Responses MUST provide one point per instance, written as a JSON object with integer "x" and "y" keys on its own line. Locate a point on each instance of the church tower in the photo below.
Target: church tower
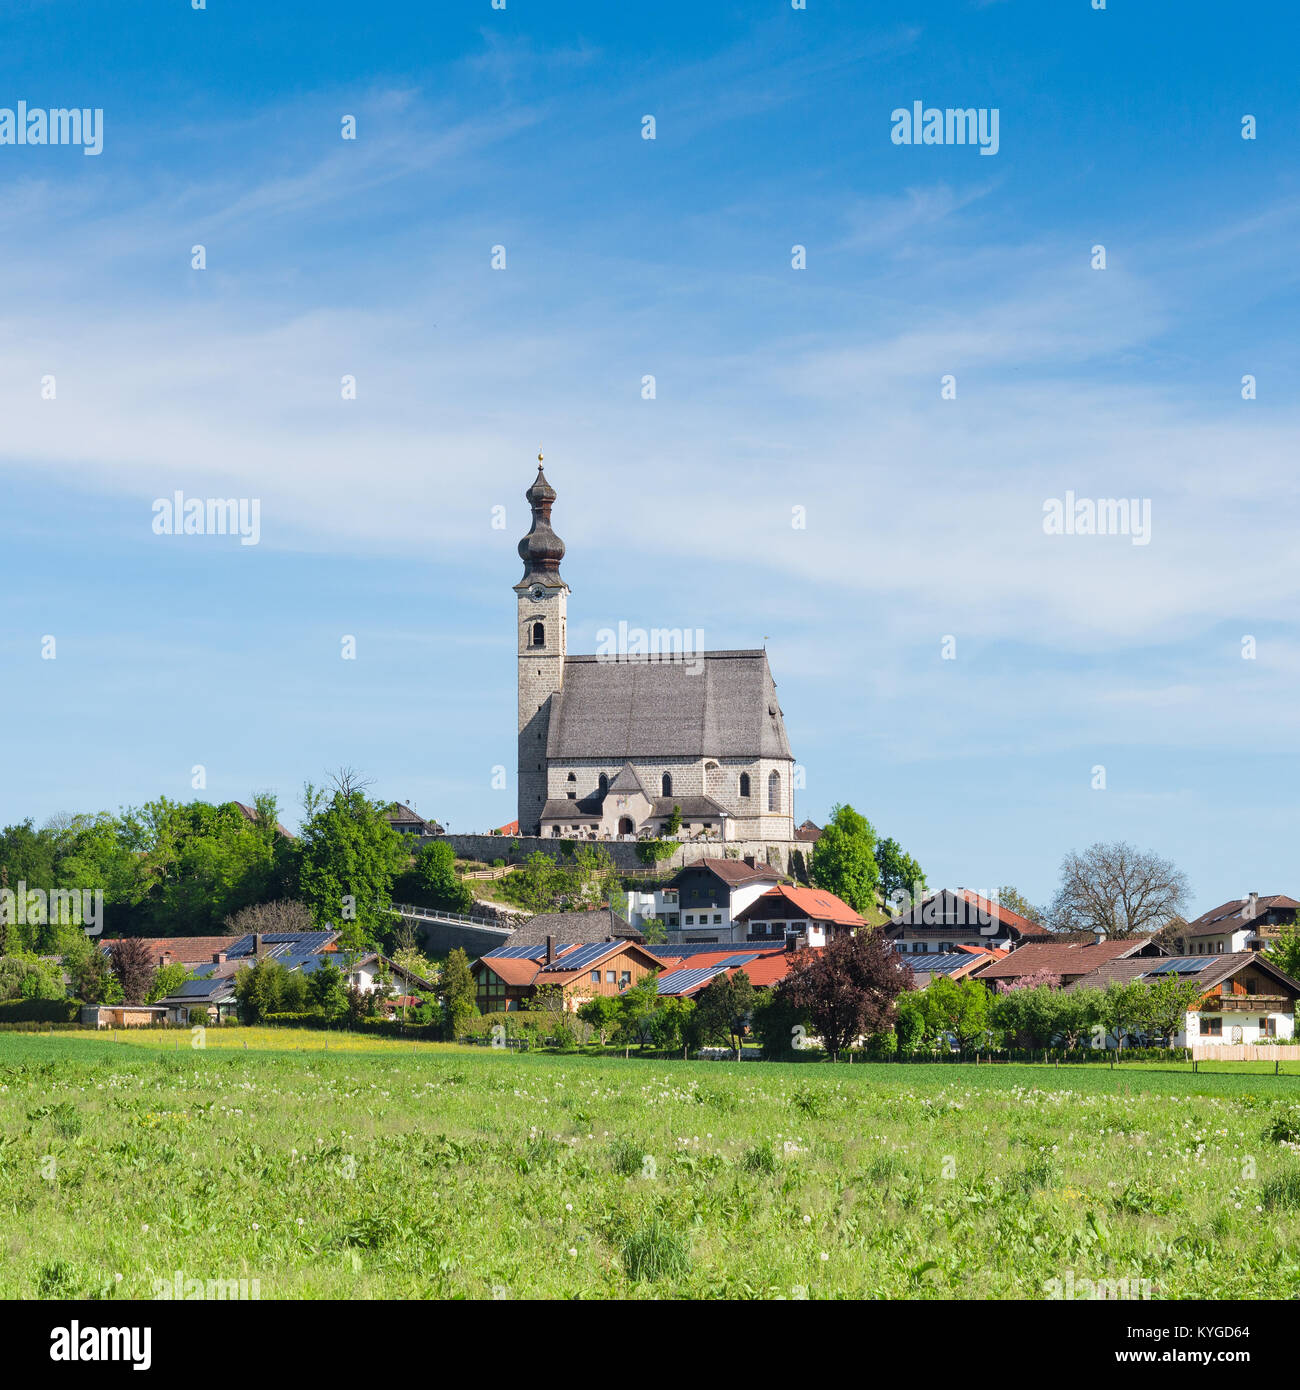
{"x": 542, "y": 644}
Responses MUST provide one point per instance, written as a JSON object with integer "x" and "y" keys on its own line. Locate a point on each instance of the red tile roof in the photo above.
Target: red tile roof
{"x": 814, "y": 903}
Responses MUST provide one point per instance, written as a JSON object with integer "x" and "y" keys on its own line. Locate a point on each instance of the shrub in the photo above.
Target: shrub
{"x": 40, "y": 1011}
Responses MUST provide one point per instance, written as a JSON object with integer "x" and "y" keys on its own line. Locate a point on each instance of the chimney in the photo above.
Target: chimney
{"x": 751, "y": 860}
{"x": 218, "y": 958}
{"x": 1098, "y": 936}
{"x": 259, "y": 945}
{"x": 550, "y": 949}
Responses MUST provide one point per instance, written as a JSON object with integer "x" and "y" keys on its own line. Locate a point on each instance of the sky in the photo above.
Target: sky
{"x": 800, "y": 477}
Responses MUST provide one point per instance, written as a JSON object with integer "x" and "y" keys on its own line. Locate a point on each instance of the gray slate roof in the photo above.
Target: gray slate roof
{"x": 572, "y": 928}
{"x": 664, "y": 708}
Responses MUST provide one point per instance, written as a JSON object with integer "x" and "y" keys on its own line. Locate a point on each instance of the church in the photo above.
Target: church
{"x": 617, "y": 746}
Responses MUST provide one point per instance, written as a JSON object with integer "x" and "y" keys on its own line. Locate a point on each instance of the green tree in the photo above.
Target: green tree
{"x": 909, "y": 1021}
{"x": 90, "y": 978}
{"x": 537, "y": 885}
{"x": 780, "y": 1024}
{"x": 1164, "y": 1006}
{"x": 671, "y": 1022}
{"x": 902, "y": 880}
{"x": 960, "y": 1009}
{"x": 637, "y": 1006}
{"x": 674, "y": 822}
{"x": 326, "y": 991}
{"x": 27, "y": 976}
{"x": 712, "y": 1020}
{"x": 743, "y": 998}
{"x": 1120, "y": 1008}
{"x": 1119, "y": 890}
{"x": 458, "y": 994}
{"x": 1076, "y": 1013}
{"x": 1284, "y": 950}
{"x": 600, "y": 1012}
{"x": 844, "y": 859}
{"x": 348, "y": 858}
{"x": 654, "y": 930}
{"x": 435, "y": 868}
{"x": 168, "y": 980}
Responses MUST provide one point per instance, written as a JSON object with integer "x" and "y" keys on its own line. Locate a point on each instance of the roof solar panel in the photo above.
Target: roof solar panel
{"x": 743, "y": 958}
{"x": 1180, "y": 965}
{"x": 515, "y": 952}
{"x": 678, "y": 980}
{"x": 583, "y": 956}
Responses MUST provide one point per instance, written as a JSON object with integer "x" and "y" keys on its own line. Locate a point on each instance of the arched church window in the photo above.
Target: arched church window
{"x": 744, "y": 784}
{"x": 667, "y": 784}
{"x": 573, "y": 777}
{"x": 774, "y": 791}
{"x": 604, "y": 784}
{"x": 539, "y": 634}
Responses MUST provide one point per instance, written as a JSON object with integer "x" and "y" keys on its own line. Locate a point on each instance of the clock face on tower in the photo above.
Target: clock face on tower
{"x": 538, "y": 591}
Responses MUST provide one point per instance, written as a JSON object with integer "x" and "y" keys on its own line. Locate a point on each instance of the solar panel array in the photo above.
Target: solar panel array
{"x": 938, "y": 964}
{"x": 677, "y": 981}
{"x": 516, "y": 952}
{"x": 1180, "y": 965}
{"x": 742, "y": 959}
{"x": 583, "y": 956}
{"x": 298, "y": 942}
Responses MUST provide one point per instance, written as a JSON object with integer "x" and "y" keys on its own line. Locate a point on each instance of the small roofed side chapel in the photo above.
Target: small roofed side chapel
{"x": 610, "y": 745}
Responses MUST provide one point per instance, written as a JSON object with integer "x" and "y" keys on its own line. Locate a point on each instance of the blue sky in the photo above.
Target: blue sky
{"x": 775, "y": 389}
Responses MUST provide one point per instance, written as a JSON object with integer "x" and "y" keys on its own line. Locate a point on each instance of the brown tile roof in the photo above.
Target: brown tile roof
{"x": 1063, "y": 960}
{"x": 191, "y": 950}
{"x": 732, "y": 872}
{"x": 1229, "y": 916}
{"x": 808, "y": 831}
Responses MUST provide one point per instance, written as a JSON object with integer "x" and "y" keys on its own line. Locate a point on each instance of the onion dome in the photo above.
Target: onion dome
{"x": 541, "y": 549}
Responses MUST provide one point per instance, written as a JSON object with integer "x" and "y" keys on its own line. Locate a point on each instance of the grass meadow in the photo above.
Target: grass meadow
{"x": 371, "y": 1168}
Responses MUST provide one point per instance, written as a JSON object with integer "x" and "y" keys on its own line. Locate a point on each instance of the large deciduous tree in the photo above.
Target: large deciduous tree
{"x": 348, "y": 858}
{"x": 1119, "y": 890}
{"x": 849, "y": 988}
{"x": 844, "y": 859}
{"x": 900, "y": 875}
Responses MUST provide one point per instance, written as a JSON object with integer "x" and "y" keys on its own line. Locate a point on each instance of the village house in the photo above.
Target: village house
{"x": 957, "y": 965}
{"x": 1242, "y": 924}
{"x": 796, "y": 917}
{"x": 700, "y": 903}
{"x": 944, "y": 920}
{"x": 1247, "y": 998}
{"x": 508, "y": 978}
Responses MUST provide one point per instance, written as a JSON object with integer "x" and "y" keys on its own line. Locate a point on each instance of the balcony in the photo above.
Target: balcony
{"x": 1247, "y": 1004}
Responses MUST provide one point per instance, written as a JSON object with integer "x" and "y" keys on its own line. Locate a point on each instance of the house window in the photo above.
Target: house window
{"x": 609, "y": 977}
{"x": 672, "y": 919}
{"x": 690, "y": 919}
{"x": 717, "y": 917}
{"x": 539, "y": 634}
{"x": 774, "y": 791}
{"x": 945, "y": 948}
{"x": 1211, "y": 1027}
{"x": 667, "y": 784}
{"x": 744, "y": 784}
{"x": 595, "y": 977}
{"x": 625, "y": 977}
{"x": 1268, "y": 1028}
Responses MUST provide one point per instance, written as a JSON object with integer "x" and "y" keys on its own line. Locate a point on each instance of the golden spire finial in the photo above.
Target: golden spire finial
{"x": 539, "y": 454}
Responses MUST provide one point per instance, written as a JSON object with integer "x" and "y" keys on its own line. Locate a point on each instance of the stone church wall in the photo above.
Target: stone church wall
{"x": 514, "y": 849}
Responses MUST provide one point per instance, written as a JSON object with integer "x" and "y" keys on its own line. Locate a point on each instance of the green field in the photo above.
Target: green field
{"x": 380, "y": 1169}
